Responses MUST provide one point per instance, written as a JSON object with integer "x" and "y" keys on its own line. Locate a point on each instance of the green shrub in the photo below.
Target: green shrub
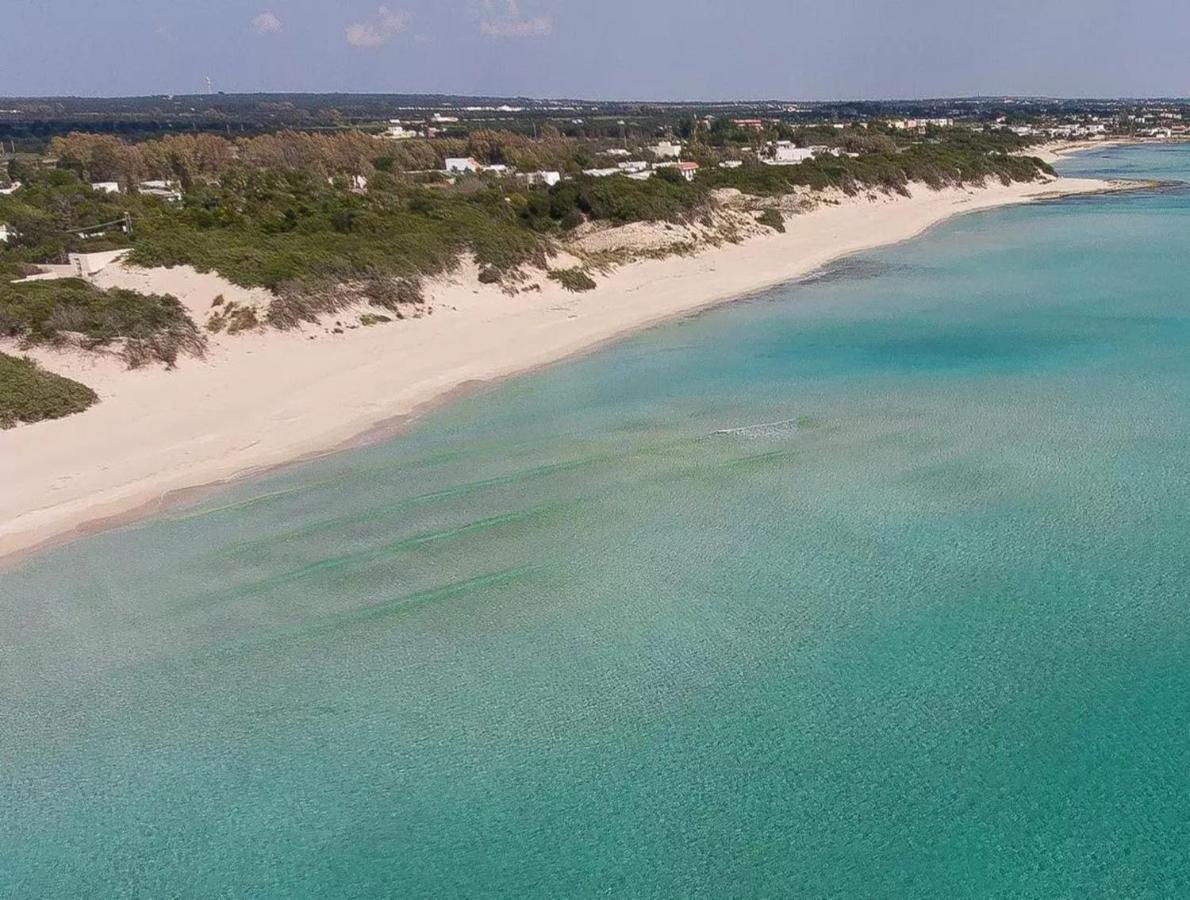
{"x": 28, "y": 393}
{"x": 772, "y": 218}
{"x": 242, "y": 318}
{"x": 149, "y": 326}
{"x": 575, "y": 280}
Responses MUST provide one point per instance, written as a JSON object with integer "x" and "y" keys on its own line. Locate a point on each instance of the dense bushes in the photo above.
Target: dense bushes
{"x": 574, "y": 280}
{"x": 272, "y": 219}
{"x": 30, "y": 394}
{"x": 268, "y": 228}
{"x": 772, "y": 218}
{"x": 148, "y": 327}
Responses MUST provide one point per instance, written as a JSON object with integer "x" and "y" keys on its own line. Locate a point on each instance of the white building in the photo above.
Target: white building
{"x": 461, "y": 164}
{"x": 617, "y": 151}
{"x": 666, "y": 150}
{"x": 398, "y": 132}
{"x": 106, "y": 187}
{"x": 642, "y": 175}
{"x": 601, "y": 173}
{"x": 633, "y": 165}
{"x": 5, "y": 234}
{"x": 785, "y": 153}
{"x": 166, "y": 190}
{"x": 917, "y": 124}
{"x": 549, "y": 179}
{"x": 686, "y": 169}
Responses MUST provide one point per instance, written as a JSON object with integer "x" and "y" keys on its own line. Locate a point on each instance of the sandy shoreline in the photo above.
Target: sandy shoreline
{"x": 263, "y": 400}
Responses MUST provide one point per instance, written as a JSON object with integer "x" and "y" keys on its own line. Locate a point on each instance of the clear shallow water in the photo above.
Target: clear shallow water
{"x": 875, "y": 585}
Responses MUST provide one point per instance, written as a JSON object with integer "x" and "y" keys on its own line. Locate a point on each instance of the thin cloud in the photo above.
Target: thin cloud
{"x": 378, "y": 32}
{"x": 266, "y": 23}
{"x": 518, "y": 27}
{"x": 504, "y": 20}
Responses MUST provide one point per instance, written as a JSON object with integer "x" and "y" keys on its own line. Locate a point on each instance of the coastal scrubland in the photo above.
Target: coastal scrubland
{"x": 329, "y": 221}
{"x": 140, "y": 328}
{"x": 28, "y": 393}
{"x": 278, "y": 209}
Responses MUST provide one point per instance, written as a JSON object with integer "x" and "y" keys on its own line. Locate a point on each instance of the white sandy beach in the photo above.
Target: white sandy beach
{"x": 262, "y": 399}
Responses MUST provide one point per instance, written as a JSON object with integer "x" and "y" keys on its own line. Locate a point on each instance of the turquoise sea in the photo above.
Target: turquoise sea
{"x": 874, "y": 585}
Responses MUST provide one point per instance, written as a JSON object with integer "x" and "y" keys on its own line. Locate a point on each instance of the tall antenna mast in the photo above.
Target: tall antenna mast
{"x": 210, "y": 90}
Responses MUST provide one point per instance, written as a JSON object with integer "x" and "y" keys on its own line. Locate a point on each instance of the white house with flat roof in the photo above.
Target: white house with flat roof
{"x": 460, "y": 165}
{"x": 166, "y": 190}
{"x": 106, "y": 187}
{"x": 549, "y": 179}
{"x": 666, "y": 150}
{"x": 396, "y": 131}
{"x": 786, "y": 153}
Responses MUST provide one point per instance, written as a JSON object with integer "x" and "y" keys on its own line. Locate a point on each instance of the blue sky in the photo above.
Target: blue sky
{"x": 630, "y": 49}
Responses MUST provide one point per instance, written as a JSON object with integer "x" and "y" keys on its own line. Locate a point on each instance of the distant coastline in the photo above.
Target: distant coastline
{"x": 159, "y": 438}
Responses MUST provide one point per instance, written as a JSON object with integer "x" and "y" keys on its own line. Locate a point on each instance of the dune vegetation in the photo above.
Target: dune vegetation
{"x": 141, "y": 328}
{"x": 280, "y": 210}
{"x": 330, "y": 221}
{"x": 28, "y": 393}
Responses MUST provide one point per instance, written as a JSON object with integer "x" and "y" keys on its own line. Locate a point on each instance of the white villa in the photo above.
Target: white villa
{"x": 686, "y": 169}
{"x": 106, "y": 187}
{"x": 785, "y": 153}
{"x": 166, "y": 190}
{"x": 915, "y": 124}
{"x": 549, "y": 179}
{"x": 458, "y": 165}
{"x": 398, "y": 132}
{"x": 666, "y": 150}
